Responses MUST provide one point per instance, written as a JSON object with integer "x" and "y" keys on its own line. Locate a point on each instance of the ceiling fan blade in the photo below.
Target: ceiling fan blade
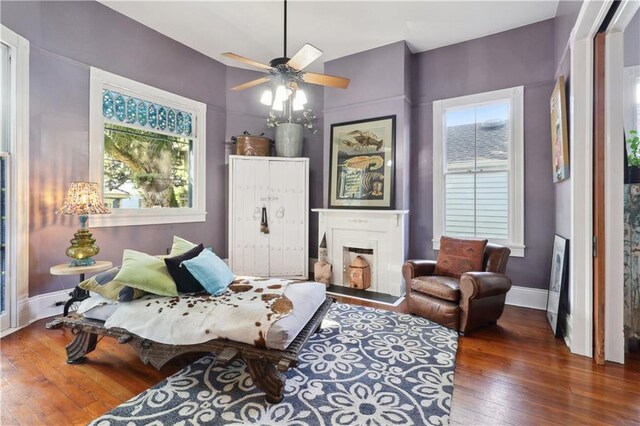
{"x": 326, "y": 80}
{"x": 247, "y": 61}
{"x": 304, "y": 57}
{"x": 251, "y": 83}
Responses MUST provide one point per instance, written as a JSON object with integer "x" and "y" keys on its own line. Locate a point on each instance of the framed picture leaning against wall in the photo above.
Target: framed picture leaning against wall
{"x": 557, "y": 298}
{"x": 362, "y": 164}
{"x": 559, "y": 133}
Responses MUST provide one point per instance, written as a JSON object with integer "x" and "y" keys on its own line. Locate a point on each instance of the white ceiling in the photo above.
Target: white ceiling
{"x": 254, "y": 29}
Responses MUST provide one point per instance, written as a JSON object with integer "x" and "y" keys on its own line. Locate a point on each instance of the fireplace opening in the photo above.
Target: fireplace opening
{"x": 358, "y": 264}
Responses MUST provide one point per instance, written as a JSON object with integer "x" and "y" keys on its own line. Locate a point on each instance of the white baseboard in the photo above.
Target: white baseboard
{"x": 41, "y": 306}
{"x": 38, "y": 307}
{"x": 525, "y": 297}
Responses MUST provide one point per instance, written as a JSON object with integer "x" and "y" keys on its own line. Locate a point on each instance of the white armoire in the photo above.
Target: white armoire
{"x": 277, "y": 188}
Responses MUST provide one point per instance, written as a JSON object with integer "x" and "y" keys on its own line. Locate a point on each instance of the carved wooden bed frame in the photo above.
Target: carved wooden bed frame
{"x": 265, "y": 366}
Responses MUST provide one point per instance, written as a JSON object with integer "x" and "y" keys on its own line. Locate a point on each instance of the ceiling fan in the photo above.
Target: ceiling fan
{"x": 288, "y": 73}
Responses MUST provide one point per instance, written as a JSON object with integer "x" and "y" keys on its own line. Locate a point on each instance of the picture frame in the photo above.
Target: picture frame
{"x": 559, "y": 132}
{"x": 362, "y": 164}
{"x": 557, "y": 296}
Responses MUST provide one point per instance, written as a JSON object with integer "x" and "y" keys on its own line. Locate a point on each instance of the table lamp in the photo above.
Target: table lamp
{"x": 83, "y": 199}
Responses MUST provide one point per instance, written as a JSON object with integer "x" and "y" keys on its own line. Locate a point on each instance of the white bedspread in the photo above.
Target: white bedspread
{"x": 244, "y": 313}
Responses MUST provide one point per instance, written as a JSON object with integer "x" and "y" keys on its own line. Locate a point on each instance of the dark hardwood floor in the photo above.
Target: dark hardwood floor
{"x": 514, "y": 373}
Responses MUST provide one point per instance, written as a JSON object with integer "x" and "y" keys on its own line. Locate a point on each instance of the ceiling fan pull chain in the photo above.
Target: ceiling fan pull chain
{"x": 285, "y": 29}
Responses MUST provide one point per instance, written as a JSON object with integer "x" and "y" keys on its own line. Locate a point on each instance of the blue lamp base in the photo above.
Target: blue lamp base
{"x": 82, "y": 262}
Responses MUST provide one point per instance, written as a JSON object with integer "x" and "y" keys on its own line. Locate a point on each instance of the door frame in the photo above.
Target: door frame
{"x": 614, "y": 181}
{"x": 18, "y": 258}
{"x": 580, "y": 321}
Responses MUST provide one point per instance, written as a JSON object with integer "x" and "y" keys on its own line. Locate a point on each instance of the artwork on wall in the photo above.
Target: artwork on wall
{"x": 556, "y": 300}
{"x": 559, "y": 135}
{"x": 362, "y": 164}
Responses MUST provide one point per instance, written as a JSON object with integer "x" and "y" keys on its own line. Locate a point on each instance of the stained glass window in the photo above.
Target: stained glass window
{"x": 171, "y": 121}
{"x": 187, "y": 124}
{"x": 121, "y": 107}
{"x": 142, "y": 113}
{"x": 131, "y": 110}
{"x": 179, "y": 123}
{"x": 107, "y": 104}
{"x": 153, "y": 116}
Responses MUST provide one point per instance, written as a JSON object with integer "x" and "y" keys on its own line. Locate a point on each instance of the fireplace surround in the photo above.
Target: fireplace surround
{"x": 380, "y": 232}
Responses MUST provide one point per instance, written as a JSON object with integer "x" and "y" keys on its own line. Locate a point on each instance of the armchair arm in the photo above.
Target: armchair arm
{"x": 417, "y": 268}
{"x": 478, "y": 285}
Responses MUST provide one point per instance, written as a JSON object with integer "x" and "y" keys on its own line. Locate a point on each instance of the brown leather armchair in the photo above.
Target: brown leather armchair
{"x": 475, "y": 300}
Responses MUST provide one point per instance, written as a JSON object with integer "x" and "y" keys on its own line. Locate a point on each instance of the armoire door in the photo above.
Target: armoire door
{"x": 250, "y": 194}
{"x": 287, "y": 218}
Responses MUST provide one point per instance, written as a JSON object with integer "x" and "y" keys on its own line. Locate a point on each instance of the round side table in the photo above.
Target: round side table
{"x": 78, "y": 294}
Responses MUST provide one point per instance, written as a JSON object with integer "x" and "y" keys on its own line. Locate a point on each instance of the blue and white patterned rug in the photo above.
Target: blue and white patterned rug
{"x": 367, "y": 367}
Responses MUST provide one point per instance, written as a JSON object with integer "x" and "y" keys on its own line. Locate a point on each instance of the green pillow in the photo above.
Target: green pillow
{"x": 180, "y": 246}
{"x": 105, "y": 285}
{"x": 145, "y": 272}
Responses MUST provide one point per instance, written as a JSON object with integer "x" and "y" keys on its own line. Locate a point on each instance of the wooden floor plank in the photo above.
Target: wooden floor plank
{"x": 515, "y": 373}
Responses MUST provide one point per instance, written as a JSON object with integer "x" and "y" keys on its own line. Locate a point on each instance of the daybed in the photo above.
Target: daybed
{"x": 158, "y": 335}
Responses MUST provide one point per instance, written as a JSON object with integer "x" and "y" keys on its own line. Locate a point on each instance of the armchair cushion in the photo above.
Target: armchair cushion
{"x": 445, "y": 288}
{"x": 459, "y": 256}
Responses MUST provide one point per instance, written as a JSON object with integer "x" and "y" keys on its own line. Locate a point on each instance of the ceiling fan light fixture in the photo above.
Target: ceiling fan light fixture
{"x": 297, "y": 106}
{"x": 300, "y": 97}
{"x": 267, "y": 98}
{"x": 299, "y": 100}
{"x": 278, "y": 106}
{"x": 281, "y": 94}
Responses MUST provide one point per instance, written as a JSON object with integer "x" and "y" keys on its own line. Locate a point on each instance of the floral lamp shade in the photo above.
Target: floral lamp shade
{"x": 83, "y": 198}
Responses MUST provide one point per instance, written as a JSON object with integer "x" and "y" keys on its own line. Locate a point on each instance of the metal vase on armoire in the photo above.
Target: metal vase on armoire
{"x": 289, "y": 140}
{"x": 269, "y": 216}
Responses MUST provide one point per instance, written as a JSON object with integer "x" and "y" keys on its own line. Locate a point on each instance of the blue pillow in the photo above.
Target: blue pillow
{"x": 210, "y": 271}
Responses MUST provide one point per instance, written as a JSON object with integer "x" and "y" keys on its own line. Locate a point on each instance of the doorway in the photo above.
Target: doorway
{"x": 5, "y": 186}
{"x": 14, "y": 179}
{"x": 617, "y": 287}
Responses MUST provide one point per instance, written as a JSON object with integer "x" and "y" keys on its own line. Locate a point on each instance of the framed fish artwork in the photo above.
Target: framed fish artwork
{"x": 362, "y": 164}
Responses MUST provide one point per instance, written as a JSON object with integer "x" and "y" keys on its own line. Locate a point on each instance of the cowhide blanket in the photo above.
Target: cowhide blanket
{"x": 243, "y": 313}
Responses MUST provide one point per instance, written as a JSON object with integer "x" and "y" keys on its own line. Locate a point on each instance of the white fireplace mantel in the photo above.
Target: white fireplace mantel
{"x": 384, "y": 231}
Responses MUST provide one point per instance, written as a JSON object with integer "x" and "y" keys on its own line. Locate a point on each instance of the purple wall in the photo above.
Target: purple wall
{"x": 66, "y": 38}
{"x": 523, "y": 56}
{"x": 380, "y": 83}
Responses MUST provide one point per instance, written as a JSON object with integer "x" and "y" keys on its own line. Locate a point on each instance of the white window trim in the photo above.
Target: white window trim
{"x": 126, "y": 217}
{"x": 18, "y": 259}
{"x": 516, "y": 163}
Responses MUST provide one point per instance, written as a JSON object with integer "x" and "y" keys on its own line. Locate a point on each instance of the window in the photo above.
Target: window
{"x": 148, "y": 151}
{"x": 478, "y": 165}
